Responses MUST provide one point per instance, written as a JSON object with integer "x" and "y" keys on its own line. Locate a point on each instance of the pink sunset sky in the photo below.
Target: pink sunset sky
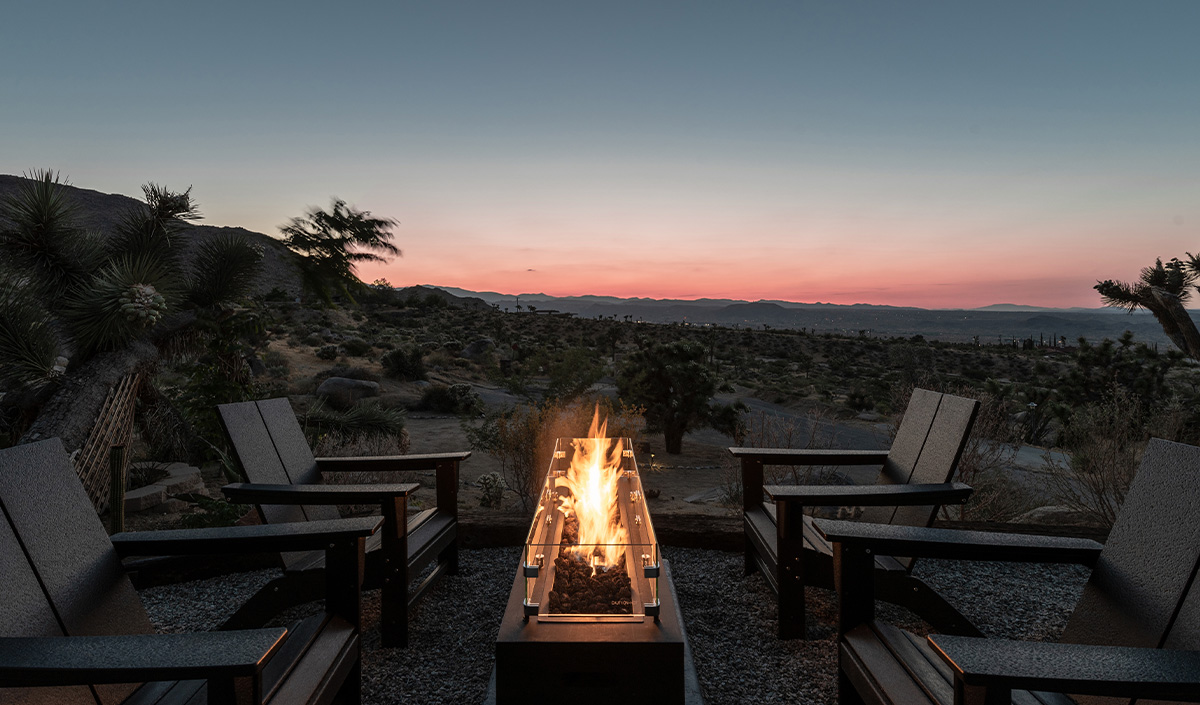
{"x": 923, "y": 153}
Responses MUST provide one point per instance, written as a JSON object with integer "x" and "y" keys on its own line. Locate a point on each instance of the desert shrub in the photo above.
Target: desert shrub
{"x": 347, "y": 372}
{"x": 990, "y": 450}
{"x": 573, "y": 372}
{"x": 762, "y": 430}
{"x": 522, "y": 437}
{"x": 276, "y": 363}
{"x": 211, "y": 382}
{"x": 492, "y": 487}
{"x": 142, "y": 474}
{"x": 363, "y": 420}
{"x": 455, "y": 399}
{"x": 356, "y": 445}
{"x": 356, "y": 347}
{"x": 440, "y": 359}
{"x": 1104, "y": 445}
{"x": 327, "y": 352}
{"x": 404, "y": 364}
{"x": 313, "y": 339}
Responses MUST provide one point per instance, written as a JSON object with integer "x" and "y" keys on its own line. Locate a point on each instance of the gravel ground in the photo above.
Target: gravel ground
{"x": 729, "y": 619}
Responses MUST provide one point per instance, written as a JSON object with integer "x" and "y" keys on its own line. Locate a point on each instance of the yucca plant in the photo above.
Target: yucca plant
{"x": 1164, "y": 290}
{"x": 28, "y": 343}
{"x": 41, "y": 244}
{"x": 226, "y": 268}
{"x": 122, "y": 301}
{"x": 362, "y": 420}
{"x": 149, "y": 230}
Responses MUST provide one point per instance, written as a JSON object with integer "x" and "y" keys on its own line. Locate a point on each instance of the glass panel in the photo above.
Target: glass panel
{"x": 591, "y": 553}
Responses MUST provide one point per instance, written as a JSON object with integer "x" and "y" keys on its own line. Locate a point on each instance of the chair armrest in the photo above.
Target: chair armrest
{"x": 921, "y": 542}
{"x": 81, "y": 660}
{"x": 257, "y": 493}
{"x": 1083, "y": 669}
{"x": 298, "y": 536}
{"x": 820, "y": 456}
{"x": 391, "y": 463}
{"x": 870, "y": 495}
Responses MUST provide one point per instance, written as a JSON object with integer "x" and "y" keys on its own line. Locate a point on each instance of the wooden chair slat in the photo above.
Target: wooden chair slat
{"x": 939, "y": 458}
{"x": 66, "y": 543}
{"x": 1149, "y": 558}
{"x": 906, "y": 448}
{"x": 27, "y": 612}
{"x": 255, "y": 451}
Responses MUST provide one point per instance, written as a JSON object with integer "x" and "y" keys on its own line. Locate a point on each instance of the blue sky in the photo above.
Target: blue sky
{"x": 910, "y": 153}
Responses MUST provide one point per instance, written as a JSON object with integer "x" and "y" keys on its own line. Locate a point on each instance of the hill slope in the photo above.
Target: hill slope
{"x": 101, "y": 212}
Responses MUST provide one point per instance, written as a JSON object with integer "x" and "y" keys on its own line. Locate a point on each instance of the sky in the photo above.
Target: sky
{"x": 936, "y": 154}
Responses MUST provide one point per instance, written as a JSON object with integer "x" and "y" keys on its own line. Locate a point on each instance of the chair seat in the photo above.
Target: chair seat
{"x": 890, "y": 665}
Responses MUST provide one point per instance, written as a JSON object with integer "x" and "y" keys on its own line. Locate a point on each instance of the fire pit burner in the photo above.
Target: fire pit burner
{"x": 591, "y": 554}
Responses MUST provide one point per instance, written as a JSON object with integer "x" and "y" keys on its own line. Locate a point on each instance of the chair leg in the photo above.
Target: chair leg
{"x": 790, "y": 572}
{"x": 351, "y": 691}
{"x": 748, "y": 553}
{"x": 847, "y": 693}
{"x": 393, "y": 606}
{"x": 450, "y": 558}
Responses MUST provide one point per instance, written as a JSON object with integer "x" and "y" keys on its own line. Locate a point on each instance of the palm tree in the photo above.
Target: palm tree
{"x": 1164, "y": 290}
{"x": 332, "y": 244}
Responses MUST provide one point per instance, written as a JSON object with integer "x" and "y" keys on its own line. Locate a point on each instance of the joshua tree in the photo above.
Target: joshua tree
{"x": 672, "y": 383}
{"x": 332, "y": 244}
{"x": 1164, "y": 290}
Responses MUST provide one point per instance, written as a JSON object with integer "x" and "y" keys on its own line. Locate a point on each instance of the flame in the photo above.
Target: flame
{"x": 592, "y": 480}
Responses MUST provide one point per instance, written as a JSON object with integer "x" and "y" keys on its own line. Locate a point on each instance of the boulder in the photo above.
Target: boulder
{"x": 478, "y": 348}
{"x": 144, "y": 498}
{"x": 346, "y": 388}
{"x": 182, "y": 484}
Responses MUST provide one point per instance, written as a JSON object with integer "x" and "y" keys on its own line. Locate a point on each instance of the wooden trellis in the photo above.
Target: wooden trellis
{"x": 114, "y": 426}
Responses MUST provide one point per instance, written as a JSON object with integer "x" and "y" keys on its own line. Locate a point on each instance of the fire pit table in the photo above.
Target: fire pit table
{"x": 592, "y": 616}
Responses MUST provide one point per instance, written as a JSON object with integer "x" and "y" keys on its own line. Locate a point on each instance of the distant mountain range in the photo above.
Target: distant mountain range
{"x": 999, "y": 322}
{"x": 990, "y": 324}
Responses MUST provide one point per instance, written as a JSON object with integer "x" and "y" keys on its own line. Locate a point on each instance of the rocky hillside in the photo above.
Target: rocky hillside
{"x": 100, "y": 212}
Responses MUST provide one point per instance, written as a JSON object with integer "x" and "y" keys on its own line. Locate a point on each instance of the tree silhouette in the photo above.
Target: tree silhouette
{"x": 1164, "y": 290}
{"x": 332, "y": 244}
{"x": 672, "y": 383}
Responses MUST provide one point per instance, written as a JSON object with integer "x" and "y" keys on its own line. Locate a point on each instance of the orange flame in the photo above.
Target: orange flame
{"x": 592, "y": 479}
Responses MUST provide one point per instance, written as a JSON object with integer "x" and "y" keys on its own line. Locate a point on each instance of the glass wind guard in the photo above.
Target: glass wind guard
{"x": 591, "y": 554}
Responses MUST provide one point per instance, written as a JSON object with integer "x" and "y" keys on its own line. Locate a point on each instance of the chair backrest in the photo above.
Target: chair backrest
{"x": 52, "y": 542}
{"x": 926, "y": 449}
{"x": 1141, "y": 591}
{"x": 271, "y": 449}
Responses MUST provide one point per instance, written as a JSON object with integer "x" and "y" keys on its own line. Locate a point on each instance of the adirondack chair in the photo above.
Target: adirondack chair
{"x": 73, "y": 630}
{"x": 913, "y": 482}
{"x": 285, "y": 485}
{"x": 1135, "y": 632}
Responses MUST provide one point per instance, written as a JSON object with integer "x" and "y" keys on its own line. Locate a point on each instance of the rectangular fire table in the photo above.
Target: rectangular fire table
{"x": 592, "y": 613}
